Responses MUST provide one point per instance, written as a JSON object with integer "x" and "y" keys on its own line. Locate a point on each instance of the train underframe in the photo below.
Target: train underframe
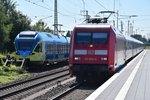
{"x": 90, "y": 72}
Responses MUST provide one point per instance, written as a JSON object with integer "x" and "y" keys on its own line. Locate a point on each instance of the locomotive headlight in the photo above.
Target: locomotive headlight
{"x": 103, "y": 58}
{"x": 77, "y": 58}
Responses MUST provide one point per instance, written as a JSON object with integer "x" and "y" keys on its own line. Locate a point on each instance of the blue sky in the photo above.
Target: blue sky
{"x": 70, "y": 11}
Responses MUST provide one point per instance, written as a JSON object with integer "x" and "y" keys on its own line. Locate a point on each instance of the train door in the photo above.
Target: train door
{"x": 38, "y": 52}
{"x": 120, "y": 50}
{"x": 55, "y": 49}
{"x": 124, "y": 49}
{"x": 132, "y": 48}
{"x": 116, "y": 54}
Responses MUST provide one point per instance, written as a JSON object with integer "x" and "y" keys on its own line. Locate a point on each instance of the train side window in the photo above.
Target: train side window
{"x": 63, "y": 48}
{"x": 49, "y": 49}
{"x": 58, "y": 48}
{"x": 38, "y": 48}
{"x": 53, "y": 49}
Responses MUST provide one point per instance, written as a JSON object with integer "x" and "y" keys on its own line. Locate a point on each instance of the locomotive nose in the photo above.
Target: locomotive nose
{"x": 24, "y": 52}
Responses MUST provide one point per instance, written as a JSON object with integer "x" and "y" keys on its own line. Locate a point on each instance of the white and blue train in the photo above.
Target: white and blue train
{"x": 41, "y": 47}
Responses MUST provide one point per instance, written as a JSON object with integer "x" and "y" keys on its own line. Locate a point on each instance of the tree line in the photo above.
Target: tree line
{"x": 141, "y": 38}
{"x": 13, "y": 22}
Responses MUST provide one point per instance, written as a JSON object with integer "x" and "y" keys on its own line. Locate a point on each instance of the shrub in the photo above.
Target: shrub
{"x": 12, "y": 68}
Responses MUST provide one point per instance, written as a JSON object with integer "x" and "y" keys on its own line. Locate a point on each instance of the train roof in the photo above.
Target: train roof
{"x": 101, "y": 25}
{"x": 132, "y": 39}
{"x": 51, "y": 37}
{"x": 107, "y": 25}
{"x": 45, "y": 36}
{"x": 27, "y": 33}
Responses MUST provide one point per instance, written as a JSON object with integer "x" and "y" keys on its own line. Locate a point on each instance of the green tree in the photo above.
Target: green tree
{"x": 5, "y": 25}
{"x": 11, "y": 23}
{"x": 139, "y": 37}
{"x": 20, "y": 23}
{"x": 41, "y": 26}
{"x": 68, "y": 34}
{"x": 8, "y": 5}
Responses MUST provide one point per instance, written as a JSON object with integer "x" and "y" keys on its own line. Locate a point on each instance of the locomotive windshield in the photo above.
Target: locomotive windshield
{"x": 25, "y": 44}
{"x": 92, "y": 38}
{"x": 99, "y": 37}
{"x": 83, "y": 38}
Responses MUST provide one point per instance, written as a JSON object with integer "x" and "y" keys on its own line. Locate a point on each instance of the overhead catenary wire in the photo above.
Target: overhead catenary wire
{"x": 50, "y": 9}
{"x": 83, "y": 5}
{"x": 67, "y": 10}
{"x": 46, "y": 17}
{"x": 39, "y": 5}
{"x": 101, "y": 5}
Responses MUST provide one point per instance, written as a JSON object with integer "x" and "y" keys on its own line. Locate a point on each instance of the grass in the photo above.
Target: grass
{"x": 12, "y": 77}
{"x": 1, "y": 61}
{"x": 2, "y": 55}
{"x": 11, "y": 73}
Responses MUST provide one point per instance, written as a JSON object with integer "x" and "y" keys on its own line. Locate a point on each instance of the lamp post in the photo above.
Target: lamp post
{"x": 129, "y": 26}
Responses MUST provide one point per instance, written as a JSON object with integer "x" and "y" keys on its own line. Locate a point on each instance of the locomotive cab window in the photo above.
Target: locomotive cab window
{"x": 25, "y": 44}
{"x": 83, "y": 38}
{"x": 95, "y": 38}
{"x": 38, "y": 48}
{"x": 99, "y": 38}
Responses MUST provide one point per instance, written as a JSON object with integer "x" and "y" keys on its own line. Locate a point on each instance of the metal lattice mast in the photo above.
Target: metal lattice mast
{"x": 55, "y": 18}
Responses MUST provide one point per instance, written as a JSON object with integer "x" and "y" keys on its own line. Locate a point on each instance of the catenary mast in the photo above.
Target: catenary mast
{"x": 55, "y": 18}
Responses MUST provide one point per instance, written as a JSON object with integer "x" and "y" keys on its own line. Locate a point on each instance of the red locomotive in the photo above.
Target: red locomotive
{"x": 99, "y": 48}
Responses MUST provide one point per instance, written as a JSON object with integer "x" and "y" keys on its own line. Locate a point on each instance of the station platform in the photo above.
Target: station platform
{"x": 131, "y": 83}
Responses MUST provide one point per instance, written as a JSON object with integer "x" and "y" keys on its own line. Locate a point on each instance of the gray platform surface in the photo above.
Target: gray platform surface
{"x": 139, "y": 88}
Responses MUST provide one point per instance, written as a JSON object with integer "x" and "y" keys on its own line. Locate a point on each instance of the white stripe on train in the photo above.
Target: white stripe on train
{"x": 96, "y": 52}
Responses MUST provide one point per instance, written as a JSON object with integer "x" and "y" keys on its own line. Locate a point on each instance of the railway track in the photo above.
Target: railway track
{"x": 12, "y": 90}
{"x": 60, "y": 95}
{"x": 70, "y": 90}
{"x": 78, "y": 91}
